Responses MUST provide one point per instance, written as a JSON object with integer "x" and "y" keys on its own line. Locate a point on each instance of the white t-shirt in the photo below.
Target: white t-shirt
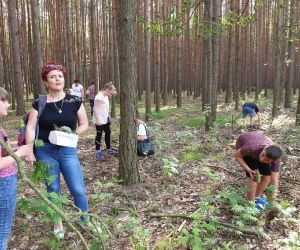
{"x": 102, "y": 111}
{"x": 76, "y": 90}
{"x": 142, "y": 130}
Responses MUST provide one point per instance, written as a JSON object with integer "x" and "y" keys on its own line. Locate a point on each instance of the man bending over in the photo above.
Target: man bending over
{"x": 255, "y": 151}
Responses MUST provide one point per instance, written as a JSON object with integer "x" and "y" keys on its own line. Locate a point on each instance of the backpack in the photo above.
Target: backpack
{"x": 23, "y": 122}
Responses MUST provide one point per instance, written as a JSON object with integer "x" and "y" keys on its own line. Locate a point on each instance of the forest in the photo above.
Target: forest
{"x": 187, "y": 66}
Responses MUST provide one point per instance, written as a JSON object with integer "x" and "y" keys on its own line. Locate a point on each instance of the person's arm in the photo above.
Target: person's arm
{"x": 82, "y": 120}
{"x": 259, "y": 118}
{"x": 240, "y": 160}
{"x": 21, "y": 152}
{"x": 30, "y": 132}
{"x": 275, "y": 180}
{"x": 30, "y": 127}
{"x": 96, "y": 114}
{"x": 87, "y": 92}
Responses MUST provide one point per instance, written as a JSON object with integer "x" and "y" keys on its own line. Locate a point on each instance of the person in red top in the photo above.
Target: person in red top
{"x": 256, "y": 151}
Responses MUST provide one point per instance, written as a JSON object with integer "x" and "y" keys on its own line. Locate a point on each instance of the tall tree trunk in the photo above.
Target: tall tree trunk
{"x": 257, "y": 50}
{"x": 1, "y": 69}
{"x": 5, "y": 52}
{"x": 147, "y": 60}
{"x": 17, "y": 72}
{"x": 187, "y": 52}
{"x": 116, "y": 53}
{"x": 94, "y": 46}
{"x": 77, "y": 49}
{"x": 216, "y": 18}
{"x": 209, "y": 55}
{"x": 179, "y": 64}
{"x": 298, "y": 110}
{"x": 83, "y": 50}
{"x": 71, "y": 74}
{"x": 128, "y": 169}
{"x": 38, "y": 86}
{"x": 165, "y": 56}
{"x": 157, "y": 65}
{"x": 291, "y": 57}
{"x": 278, "y": 68}
{"x": 111, "y": 59}
{"x": 140, "y": 51}
{"x": 230, "y": 60}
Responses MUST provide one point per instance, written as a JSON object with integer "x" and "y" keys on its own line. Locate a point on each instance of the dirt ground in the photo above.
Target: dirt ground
{"x": 160, "y": 195}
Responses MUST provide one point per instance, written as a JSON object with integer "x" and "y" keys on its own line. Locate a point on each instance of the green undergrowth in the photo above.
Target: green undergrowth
{"x": 193, "y": 155}
{"x": 192, "y": 122}
{"x": 170, "y": 111}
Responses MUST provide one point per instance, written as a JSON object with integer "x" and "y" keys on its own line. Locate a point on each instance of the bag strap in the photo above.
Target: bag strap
{"x": 41, "y": 106}
{"x": 147, "y": 132}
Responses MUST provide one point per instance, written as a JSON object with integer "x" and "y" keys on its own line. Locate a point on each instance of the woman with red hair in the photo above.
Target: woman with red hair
{"x": 61, "y": 109}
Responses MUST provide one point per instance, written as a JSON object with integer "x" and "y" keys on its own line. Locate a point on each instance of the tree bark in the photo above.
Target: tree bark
{"x": 216, "y": 18}
{"x": 147, "y": 60}
{"x": 1, "y": 69}
{"x": 291, "y": 57}
{"x": 69, "y": 48}
{"x": 17, "y": 71}
{"x": 38, "y": 86}
{"x": 128, "y": 169}
{"x": 278, "y": 68}
{"x": 94, "y": 47}
{"x": 179, "y": 63}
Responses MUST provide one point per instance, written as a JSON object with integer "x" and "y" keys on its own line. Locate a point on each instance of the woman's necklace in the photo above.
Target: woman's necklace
{"x": 62, "y": 104}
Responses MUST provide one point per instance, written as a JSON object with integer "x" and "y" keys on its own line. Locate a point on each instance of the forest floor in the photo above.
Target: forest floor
{"x": 191, "y": 181}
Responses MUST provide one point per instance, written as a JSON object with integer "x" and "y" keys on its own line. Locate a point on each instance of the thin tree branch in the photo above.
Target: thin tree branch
{"x": 246, "y": 230}
{"x": 25, "y": 179}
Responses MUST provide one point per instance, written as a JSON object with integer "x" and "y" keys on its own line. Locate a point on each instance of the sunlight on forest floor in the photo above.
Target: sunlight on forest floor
{"x": 192, "y": 174}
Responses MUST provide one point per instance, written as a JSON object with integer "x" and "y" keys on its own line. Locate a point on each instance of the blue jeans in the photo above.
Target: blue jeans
{"x": 64, "y": 160}
{"x": 8, "y": 194}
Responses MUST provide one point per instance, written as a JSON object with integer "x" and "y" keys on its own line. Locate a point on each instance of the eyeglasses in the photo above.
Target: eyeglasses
{"x": 54, "y": 66}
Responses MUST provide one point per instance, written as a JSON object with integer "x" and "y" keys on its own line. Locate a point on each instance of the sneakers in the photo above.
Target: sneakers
{"x": 110, "y": 151}
{"x": 261, "y": 204}
{"x": 99, "y": 155}
{"x": 95, "y": 229}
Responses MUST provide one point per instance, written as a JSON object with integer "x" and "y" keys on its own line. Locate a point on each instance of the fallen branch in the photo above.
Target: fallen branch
{"x": 25, "y": 179}
{"x": 245, "y": 230}
{"x": 225, "y": 169}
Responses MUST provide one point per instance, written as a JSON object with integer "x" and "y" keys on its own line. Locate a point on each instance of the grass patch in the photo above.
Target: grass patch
{"x": 164, "y": 113}
{"x": 193, "y": 122}
{"x": 223, "y": 121}
{"x": 192, "y": 155}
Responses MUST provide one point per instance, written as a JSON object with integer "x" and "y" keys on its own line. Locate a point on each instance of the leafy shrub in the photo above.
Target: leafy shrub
{"x": 169, "y": 166}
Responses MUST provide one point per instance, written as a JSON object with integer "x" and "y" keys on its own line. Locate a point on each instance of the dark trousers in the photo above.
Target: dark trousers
{"x": 92, "y": 105}
{"x": 100, "y": 129}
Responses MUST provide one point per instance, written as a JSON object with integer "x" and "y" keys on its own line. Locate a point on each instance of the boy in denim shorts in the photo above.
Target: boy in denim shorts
{"x": 255, "y": 151}
{"x": 250, "y": 108}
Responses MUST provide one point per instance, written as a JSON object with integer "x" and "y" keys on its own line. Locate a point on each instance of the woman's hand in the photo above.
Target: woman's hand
{"x": 24, "y": 150}
{"x": 30, "y": 158}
